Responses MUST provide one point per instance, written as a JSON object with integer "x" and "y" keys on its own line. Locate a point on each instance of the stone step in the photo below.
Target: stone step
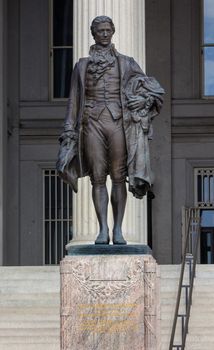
{"x": 165, "y": 339}
{"x": 166, "y": 323}
{"x": 32, "y": 276}
{"x": 170, "y": 268}
{"x": 168, "y": 298}
{"x": 165, "y": 345}
{"x": 201, "y": 324}
{"x": 30, "y": 299}
{"x": 29, "y": 340}
{"x": 17, "y": 317}
{"x": 199, "y": 329}
{"x": 202, "y": 287}
{"x": 37, "y": 269}
{"x": 172, "y": 272}
{"x": 167, "y": 326}
{"x": 166, "y": 315}
{"x": 22, "y": 288}
{"x": 168, "y": 286}
{"x": 168, "y": 293}
{"x": 203, "y": 275}
{"x": 32, "y": 312}
{"x": 166, "y": 275}
{"x": 205, "y": 267}
{"x": 29, "y": 324}
{"x": 198, "y": 346}
{"x": 201, "y": 319}
{"x": 38, "y": 346}
{"x": 203, "y": 296}
{"x": 28, "y": 332}
{"x": 208, "y": 346}
{"x": 29, "y": 272}
{"x": 30, "y": 308}
{"x": 201, "y": 309}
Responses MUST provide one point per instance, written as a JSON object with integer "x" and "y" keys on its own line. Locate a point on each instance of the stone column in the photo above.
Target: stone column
{"x": 3, "y": 130}
{"x": 129, "y": 39}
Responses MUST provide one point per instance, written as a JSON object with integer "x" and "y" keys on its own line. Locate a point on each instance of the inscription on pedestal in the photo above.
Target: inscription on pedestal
{"x": 109, "y": 318}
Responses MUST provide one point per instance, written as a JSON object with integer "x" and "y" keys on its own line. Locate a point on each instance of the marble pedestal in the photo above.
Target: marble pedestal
{"x": 109, "y": 302}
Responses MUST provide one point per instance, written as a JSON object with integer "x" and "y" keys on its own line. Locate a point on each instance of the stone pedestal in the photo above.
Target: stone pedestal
{"x": 109, "y": 302}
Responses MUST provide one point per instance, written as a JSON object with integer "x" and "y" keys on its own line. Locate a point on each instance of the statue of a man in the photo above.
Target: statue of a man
{"x": 107, "y": 127}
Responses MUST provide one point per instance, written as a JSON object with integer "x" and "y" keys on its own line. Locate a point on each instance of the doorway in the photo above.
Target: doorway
{"x": 207, "y": 237}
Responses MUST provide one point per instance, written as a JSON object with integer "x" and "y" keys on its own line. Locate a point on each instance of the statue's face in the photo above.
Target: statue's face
{"x": 103, "y": 34}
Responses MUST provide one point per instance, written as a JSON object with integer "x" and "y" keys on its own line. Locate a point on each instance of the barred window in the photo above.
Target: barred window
{"x": 57, "y": 216}
{"x": 61, "y": 47}
{"x": 204, "y": 187}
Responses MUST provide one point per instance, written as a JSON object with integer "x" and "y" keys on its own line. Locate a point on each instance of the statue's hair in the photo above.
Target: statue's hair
{"x": 100, "y": 19}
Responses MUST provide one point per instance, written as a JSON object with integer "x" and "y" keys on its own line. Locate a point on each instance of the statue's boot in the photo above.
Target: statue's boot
{"x": 118, "y": 200}
{"x": 102, "y": 238}
{"x": 100, "y": 199}
{"x": 118, "y": 238}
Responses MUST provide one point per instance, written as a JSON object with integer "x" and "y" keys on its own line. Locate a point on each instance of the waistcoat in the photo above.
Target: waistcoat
{"x": 104, "y": 94}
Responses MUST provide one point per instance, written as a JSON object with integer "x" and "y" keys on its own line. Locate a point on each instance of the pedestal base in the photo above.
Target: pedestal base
{"x": 109, "y": 249}
{"x": 109, "y": 302}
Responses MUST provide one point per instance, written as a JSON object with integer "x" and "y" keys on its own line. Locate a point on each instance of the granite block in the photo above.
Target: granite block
{"x": 109, "y": 302}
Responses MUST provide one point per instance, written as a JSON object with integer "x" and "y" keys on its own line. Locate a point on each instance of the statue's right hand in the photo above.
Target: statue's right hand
{"x": 66, "y": 137}
{"x": 66, "y": 143}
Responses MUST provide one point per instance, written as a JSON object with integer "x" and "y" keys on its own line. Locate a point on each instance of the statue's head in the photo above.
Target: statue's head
{"x": 102, "y": 30}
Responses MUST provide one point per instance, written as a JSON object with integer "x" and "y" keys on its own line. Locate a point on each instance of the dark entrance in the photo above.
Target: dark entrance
{"x": 207, "y": 245}
{"x": 207, "y": 236}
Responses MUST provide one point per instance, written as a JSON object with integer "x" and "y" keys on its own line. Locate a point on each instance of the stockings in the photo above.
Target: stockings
{"x": 118, "y": 201}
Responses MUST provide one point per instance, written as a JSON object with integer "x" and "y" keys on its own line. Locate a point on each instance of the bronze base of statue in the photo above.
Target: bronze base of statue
{"x": 108, "y": 249}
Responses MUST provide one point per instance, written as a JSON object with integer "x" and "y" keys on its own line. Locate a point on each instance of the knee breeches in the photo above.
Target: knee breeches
{"x": 105, "y": 148}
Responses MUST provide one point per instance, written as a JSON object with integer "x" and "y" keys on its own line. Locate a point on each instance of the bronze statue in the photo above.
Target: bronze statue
{"x": 107, "y": 127}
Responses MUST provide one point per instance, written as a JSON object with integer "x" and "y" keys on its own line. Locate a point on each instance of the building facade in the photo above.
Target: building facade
{"x": 170, "y": 40}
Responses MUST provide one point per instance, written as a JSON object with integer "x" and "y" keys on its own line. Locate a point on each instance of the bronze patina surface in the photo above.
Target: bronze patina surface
{"x": 108, "y": 126}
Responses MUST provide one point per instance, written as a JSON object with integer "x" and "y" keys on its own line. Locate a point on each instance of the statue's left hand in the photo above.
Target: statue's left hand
{"x": 136, "y": 103}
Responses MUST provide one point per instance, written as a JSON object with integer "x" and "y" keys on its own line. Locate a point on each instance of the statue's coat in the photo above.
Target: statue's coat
{"x": 71, "y": 163}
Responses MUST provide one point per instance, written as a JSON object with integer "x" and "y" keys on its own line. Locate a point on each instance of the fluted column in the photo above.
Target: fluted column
{"x": 129, "y": 39}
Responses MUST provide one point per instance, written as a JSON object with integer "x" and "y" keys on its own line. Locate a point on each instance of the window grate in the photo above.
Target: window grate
{"x": 57, "y": 217}
{"x": 204, "y": 187}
